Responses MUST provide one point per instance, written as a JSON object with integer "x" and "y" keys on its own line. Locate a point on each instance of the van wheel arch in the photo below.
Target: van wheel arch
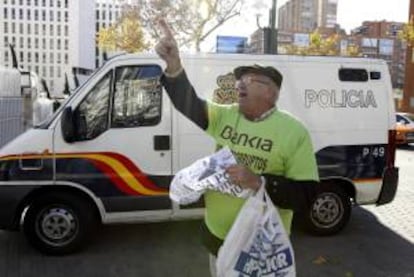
{"x": 330, "y": 210}
{"x": 28, "y": 200}
{"x": 64, "y": 204}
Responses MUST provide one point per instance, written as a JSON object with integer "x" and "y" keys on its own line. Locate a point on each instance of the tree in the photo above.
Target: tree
{"x": 192, "y": 20}
{"x": 126, "y": 34}
{"x": 353, "y": 50}
{"x": 407, "y": 32}
{"x": 320, "y": 46}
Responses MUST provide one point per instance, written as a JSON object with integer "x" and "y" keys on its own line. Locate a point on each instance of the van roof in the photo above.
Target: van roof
{"x": 254, "y": 58}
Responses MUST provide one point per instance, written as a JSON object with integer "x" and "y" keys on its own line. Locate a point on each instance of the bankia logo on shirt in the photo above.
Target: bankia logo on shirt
{"x": 246, "y": 140}
{"x": 258, "y": 163}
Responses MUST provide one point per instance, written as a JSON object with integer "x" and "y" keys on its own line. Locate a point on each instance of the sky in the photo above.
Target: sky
{"x": 350, "y": 14}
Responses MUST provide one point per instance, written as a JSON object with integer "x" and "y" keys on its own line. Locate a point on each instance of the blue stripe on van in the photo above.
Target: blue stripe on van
{"x": 352, "y": 161}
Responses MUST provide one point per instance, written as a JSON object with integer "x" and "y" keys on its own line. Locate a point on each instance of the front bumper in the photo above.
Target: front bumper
{"x": 410, "y": 137}
{"x": 389, "y": 185}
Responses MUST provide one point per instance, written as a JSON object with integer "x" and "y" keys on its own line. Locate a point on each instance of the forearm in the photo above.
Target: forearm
{"x": 291, "y": 194}
{"x": 185, "y": 99}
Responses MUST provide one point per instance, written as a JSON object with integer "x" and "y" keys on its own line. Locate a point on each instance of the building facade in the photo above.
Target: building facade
{"x": 375, "y": 39}
{"x": 49, "y": 36}
{"x": 378, "y": 39}
{"x": 307, "y": 15}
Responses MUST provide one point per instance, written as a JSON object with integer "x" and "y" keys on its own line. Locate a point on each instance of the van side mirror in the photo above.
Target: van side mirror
{"x": 67, "y": 124}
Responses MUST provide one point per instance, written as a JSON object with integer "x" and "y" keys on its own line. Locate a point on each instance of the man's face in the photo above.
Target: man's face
{"x": 257, "y": 93}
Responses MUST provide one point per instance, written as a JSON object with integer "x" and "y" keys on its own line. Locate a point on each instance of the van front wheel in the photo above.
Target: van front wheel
{"x": 329, "y": 213}
{"x": 58, "y": 223}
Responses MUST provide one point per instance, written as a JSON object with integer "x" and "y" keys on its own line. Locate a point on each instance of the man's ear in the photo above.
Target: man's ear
{"x": 273, "y": 93}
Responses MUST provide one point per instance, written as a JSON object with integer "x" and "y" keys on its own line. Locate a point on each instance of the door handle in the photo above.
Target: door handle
{"x": 32, "y": 160}
{"x": 162, "y": 142}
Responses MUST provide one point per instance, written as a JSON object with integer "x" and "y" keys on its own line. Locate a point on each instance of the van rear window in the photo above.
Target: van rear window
{"x": 353, "y": 75}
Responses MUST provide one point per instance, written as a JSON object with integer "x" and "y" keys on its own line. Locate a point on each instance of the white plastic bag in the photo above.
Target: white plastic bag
{"x": 257, "y": 244}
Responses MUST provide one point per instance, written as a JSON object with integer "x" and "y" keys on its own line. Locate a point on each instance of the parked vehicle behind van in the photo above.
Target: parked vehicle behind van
{"x": 18, "y": 90}
{"x": 15, "y": 103}
{"x": 405, "y": 128}
{"x": 110, "y": 151}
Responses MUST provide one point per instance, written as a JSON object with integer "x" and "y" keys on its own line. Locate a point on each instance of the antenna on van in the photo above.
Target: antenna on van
{"x": 66, "y": 90}
{"x": 46, "y": 89}
{"x": 14, "y": 57}
{"x": 75, "y": 77}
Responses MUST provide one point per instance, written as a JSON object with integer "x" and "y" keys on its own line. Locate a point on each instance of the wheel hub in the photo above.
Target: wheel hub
{"x": 327, "y": 210}
{"x": 57, "y": 225}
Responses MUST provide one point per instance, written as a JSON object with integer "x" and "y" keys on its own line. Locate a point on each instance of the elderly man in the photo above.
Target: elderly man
{"x": 255, "y": 130}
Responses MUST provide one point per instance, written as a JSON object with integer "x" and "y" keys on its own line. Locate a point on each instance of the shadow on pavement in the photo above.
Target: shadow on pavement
{"x": 130, "y": 250}
{"x": 364, "y": 248}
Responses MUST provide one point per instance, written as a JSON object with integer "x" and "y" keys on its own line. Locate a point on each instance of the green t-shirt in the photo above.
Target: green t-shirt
{"x": 278, "y": 145}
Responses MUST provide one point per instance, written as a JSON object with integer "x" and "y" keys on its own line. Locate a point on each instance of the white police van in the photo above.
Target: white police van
{"x": 109, "y": 153}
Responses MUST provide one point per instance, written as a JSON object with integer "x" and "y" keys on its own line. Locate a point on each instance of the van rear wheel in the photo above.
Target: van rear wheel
{"x": 329, "y": 212}
{"x": 58, "y": 223}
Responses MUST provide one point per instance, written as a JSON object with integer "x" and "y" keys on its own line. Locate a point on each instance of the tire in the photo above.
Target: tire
{"x": 59, "y": 223}
{"x": 329, "y": 212}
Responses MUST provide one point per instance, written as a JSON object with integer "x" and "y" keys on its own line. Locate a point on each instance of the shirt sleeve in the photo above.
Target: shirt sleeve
{"x": 185, "y": 99}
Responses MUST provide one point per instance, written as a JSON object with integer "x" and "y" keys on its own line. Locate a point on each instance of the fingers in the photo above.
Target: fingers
{"x": 237, "y": 173}
{"x": 164, "y": 47}
{"x": 165, "y": 29}
{"x": 243, "y": 176}
{"x": 167, "y": 47}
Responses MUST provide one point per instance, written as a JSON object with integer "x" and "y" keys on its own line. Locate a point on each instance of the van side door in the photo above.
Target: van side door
{"x": 121, "y": 148}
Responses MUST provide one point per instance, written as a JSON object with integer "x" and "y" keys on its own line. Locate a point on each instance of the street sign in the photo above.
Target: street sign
{"x": 231, "y": 44}
{"x": 301, "y": 40}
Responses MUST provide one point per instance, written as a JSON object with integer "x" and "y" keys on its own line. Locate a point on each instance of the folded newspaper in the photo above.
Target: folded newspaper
{"x": 208, "y": 173}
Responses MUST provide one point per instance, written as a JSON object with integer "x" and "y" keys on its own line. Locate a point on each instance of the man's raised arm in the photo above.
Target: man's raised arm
{"x": 175, "y": 80}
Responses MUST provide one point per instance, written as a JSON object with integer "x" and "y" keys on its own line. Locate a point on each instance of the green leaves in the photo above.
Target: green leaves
{"x": 323, "y": 46}
{"x": 407, "y": 33}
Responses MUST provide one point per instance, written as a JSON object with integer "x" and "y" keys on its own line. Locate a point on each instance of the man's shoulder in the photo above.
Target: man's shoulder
{"x": 216, "y": 107}
{"x": 222, "y": 106}
{"x": 287, "y": 118}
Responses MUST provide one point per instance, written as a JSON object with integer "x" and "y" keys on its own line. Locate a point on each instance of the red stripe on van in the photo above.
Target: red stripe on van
{"x": 135, "y": 171}
{"x": 114, "y": 177}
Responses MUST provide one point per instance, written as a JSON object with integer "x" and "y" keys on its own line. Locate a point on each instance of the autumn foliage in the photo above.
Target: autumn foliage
{"x": 407, "y": 32}
{"x": 125, "y": 35}
{"x": 323, "y": 46}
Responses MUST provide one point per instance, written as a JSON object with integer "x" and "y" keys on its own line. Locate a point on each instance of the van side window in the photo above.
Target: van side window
{"x": 92, "y": 114}
{"x": 353, "y": 75}
{"x": 137, "y": 96}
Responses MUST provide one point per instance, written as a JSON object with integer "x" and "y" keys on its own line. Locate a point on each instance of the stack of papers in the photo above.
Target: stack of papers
{"x": 190, "y": 183}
